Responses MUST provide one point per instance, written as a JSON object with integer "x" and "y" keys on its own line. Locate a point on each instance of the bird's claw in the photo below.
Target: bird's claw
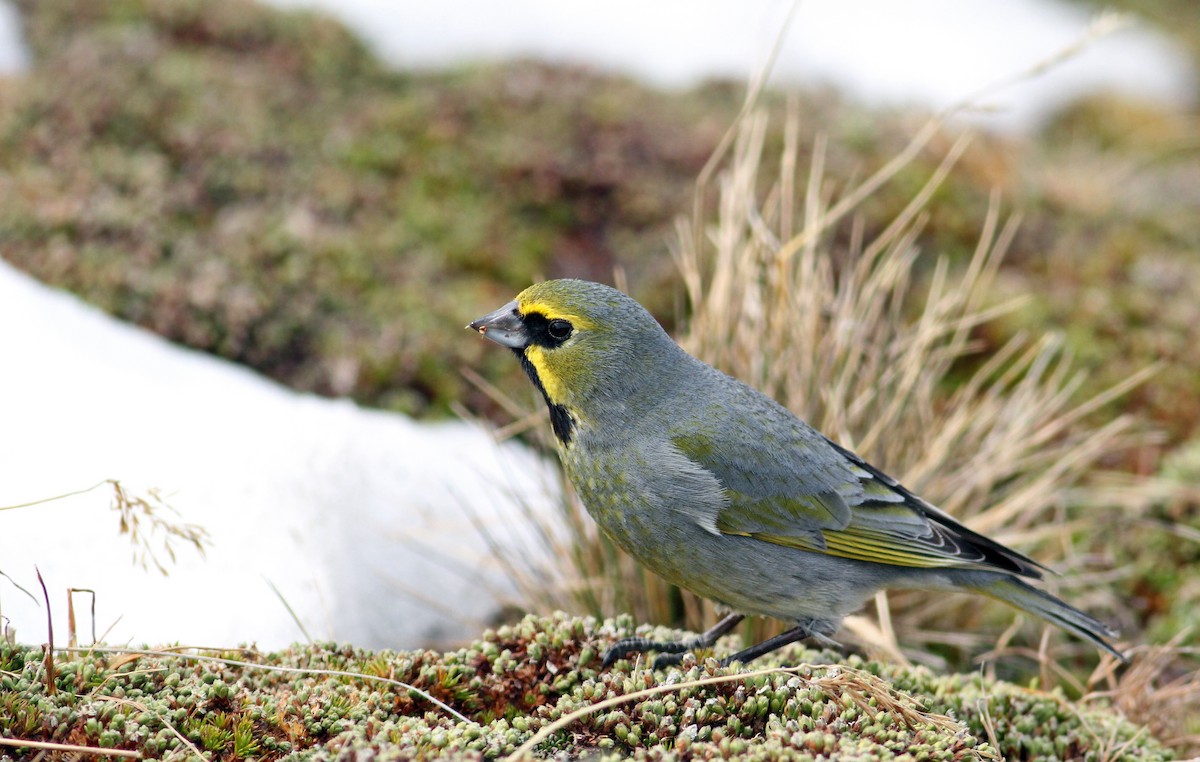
{"x": 662, "y": 661}
{"x": 669, "y": 653}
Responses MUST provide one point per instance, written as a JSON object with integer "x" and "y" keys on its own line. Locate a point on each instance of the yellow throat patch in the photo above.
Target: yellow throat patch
{"x": 550, "y": 380}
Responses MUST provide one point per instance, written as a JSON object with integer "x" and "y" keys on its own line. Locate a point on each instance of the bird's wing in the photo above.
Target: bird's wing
{"x": 891, "y": 520}
{"x": 787, "y": 484}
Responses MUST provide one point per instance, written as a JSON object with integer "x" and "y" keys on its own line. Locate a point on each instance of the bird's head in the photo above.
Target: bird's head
{"x": 587, "y": 347}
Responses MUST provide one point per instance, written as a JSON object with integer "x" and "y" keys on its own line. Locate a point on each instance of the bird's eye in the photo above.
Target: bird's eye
{"x": 559, "y": 330}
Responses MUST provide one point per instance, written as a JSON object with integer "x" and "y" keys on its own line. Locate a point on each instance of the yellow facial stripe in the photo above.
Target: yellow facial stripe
{"x": 550, "y": 380}
{"x": 552, "y": 313}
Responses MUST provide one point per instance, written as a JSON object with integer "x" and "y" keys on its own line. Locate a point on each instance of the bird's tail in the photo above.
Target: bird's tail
{"x": 1027, "y": 598}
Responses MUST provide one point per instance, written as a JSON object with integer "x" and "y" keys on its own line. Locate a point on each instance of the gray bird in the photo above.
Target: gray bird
{"x": 722, "y": 491}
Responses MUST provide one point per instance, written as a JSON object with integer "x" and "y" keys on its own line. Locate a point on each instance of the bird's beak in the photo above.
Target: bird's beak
{"x": 504, "y": 326}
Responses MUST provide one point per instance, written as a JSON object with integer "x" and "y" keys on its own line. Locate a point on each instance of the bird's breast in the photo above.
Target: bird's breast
{"x": 656, "y": 509}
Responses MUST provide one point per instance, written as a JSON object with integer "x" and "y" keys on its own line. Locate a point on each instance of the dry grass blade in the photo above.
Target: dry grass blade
{"x": 48, "y": 648}
{"x": 69, "y": 748}
{"x": 143, "y": 519}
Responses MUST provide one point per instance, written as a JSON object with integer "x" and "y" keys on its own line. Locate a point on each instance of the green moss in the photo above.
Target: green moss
{"x": 518, "y": 679}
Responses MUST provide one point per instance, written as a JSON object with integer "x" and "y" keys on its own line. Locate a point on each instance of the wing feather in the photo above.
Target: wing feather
{"x": 787, "y": 484}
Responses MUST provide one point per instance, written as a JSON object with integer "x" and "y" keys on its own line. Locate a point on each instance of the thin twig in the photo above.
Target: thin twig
{"x": 70, "y": 747}
{"x": 97, "y": 485}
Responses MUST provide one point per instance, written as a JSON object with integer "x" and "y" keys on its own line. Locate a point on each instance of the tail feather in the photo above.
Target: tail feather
{"x": 1027, "y": 598}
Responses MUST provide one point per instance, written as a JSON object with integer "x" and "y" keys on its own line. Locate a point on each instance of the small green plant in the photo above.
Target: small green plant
{"x": 245, "y": 744}
{"x": 216, "y": 732}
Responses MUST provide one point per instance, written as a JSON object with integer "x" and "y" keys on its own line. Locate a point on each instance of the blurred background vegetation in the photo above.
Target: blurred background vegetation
{"x": 255, "y": 184}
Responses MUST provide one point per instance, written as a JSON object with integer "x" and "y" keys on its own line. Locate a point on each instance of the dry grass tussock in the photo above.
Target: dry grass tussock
{"x": 1162, "y": 691}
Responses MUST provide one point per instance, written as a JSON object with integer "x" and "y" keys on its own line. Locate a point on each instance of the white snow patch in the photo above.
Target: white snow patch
{"x": 13, "y": 55}
{"x": 366, "y": 522}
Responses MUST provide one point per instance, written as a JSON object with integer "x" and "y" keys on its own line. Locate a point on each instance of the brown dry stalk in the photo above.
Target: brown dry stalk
{"x": 69, "y": 747}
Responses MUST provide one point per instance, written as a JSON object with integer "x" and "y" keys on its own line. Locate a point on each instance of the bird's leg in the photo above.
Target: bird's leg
{"x": 671, "y": 653}
{"x": 747, "y": 655}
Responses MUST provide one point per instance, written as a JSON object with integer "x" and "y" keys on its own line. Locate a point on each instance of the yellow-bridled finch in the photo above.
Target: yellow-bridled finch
{"x": 724, "y": 492}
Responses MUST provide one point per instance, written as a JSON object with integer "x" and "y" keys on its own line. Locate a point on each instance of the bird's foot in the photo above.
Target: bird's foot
{"x": 662, "y": 661}
{"x": 625, "y": 647}
{"x": 670, "y": 653}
